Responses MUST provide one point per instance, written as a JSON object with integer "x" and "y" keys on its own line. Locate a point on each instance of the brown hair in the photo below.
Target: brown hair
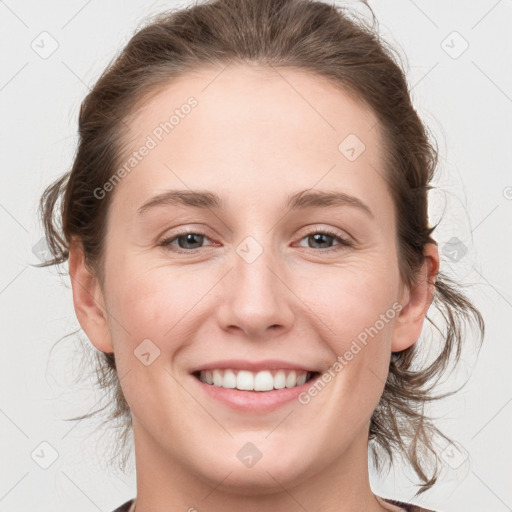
{"x": 301, "y": 34}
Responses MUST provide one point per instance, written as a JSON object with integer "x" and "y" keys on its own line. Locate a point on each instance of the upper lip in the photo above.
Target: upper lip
{"x": 252, "y": 366}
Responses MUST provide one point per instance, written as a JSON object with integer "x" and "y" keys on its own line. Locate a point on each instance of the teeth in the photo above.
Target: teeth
{"x": 265, "y": 380}
{"x": 301, "y": 379}
{"x": 228, "y": 380}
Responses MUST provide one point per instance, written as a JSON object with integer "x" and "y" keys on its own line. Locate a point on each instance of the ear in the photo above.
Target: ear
{"x": 416, "y": 301}
{"x": 88, "y": 299}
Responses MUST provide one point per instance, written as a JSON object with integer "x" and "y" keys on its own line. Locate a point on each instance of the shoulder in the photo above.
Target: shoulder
{"x": 125, "y": 507}
{"x": 408, "y": 507}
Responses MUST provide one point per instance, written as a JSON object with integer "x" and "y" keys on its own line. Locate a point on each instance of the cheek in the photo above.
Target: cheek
{"x": 152, "y": 298}
{"x": 357, "y": 306}
{"x": 148, "y": 309}
{"x": 353, "y": 302}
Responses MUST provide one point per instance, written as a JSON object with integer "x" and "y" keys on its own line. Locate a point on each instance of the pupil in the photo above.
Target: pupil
{"x": 318, "y": 238}
{"x": 189, "y": 238}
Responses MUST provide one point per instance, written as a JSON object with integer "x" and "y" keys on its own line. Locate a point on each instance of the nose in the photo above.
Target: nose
{"x": 256, "y": 298}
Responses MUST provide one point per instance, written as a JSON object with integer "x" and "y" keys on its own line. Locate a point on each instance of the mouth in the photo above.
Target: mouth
{"x": 260, "y": 381}
{"x": 254, "y": 387}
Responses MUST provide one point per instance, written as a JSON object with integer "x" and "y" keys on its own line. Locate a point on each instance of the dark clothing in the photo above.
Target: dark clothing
{"x": 408, "y": 507}
{"x": 125, "y": 506}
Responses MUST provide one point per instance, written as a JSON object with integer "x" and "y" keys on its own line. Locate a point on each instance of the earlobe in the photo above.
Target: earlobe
{"x": 88, "y": 300}
{"x": 409, "y": 324}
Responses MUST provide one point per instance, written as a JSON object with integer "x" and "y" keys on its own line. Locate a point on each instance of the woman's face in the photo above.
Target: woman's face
{"x": 263, "y": 282}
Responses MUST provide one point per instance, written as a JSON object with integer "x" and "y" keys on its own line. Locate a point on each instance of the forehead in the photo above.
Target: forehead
{"x": 250, "y": 127}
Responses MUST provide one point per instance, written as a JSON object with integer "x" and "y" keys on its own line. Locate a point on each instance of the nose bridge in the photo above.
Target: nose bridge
{"x": 256, "y": 299}
{"x": 256, "y": 284}
{"x": 252, "y": 262}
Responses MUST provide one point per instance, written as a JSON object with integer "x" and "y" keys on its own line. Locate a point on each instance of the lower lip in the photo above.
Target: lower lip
{"x": 254, "y": 401}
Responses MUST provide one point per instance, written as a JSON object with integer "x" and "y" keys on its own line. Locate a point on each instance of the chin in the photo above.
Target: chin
{"x": 266, "y": 475}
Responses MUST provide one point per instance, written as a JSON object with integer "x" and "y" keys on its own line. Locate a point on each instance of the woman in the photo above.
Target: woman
{"x": 248, "y": 243}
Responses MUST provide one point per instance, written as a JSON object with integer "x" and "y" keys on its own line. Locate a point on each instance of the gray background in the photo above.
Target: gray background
{"x": 465, "y": 97}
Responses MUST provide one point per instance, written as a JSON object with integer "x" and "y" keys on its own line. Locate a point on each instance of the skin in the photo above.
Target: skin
{"x": 253, "y": 139}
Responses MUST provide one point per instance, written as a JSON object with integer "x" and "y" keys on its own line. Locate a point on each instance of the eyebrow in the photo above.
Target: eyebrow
{"x": 299, "y": 200}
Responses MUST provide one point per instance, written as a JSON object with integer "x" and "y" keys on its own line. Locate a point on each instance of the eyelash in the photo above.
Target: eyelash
{"x": 342, "y": 242}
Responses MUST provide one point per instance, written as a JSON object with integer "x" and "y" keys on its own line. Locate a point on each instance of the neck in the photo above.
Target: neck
{"x": 163, "y": 479}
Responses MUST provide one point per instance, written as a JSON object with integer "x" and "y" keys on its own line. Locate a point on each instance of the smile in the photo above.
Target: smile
{"x": 264, "y": 380}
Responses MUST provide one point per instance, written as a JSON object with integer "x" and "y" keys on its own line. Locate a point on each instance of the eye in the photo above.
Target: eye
{"x": 192, "y": 241}
{"x": 324, "y": 239}
{"x": 187, "y": 241}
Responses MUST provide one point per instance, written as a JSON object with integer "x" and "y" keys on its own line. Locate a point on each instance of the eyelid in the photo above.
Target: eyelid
{"x": 328, "y": 230}
{"x": 166, "y": 241}
{"x": 319, "y": 228}
{"x": 185, "y": 229}
{"x": 342, "y": 239}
